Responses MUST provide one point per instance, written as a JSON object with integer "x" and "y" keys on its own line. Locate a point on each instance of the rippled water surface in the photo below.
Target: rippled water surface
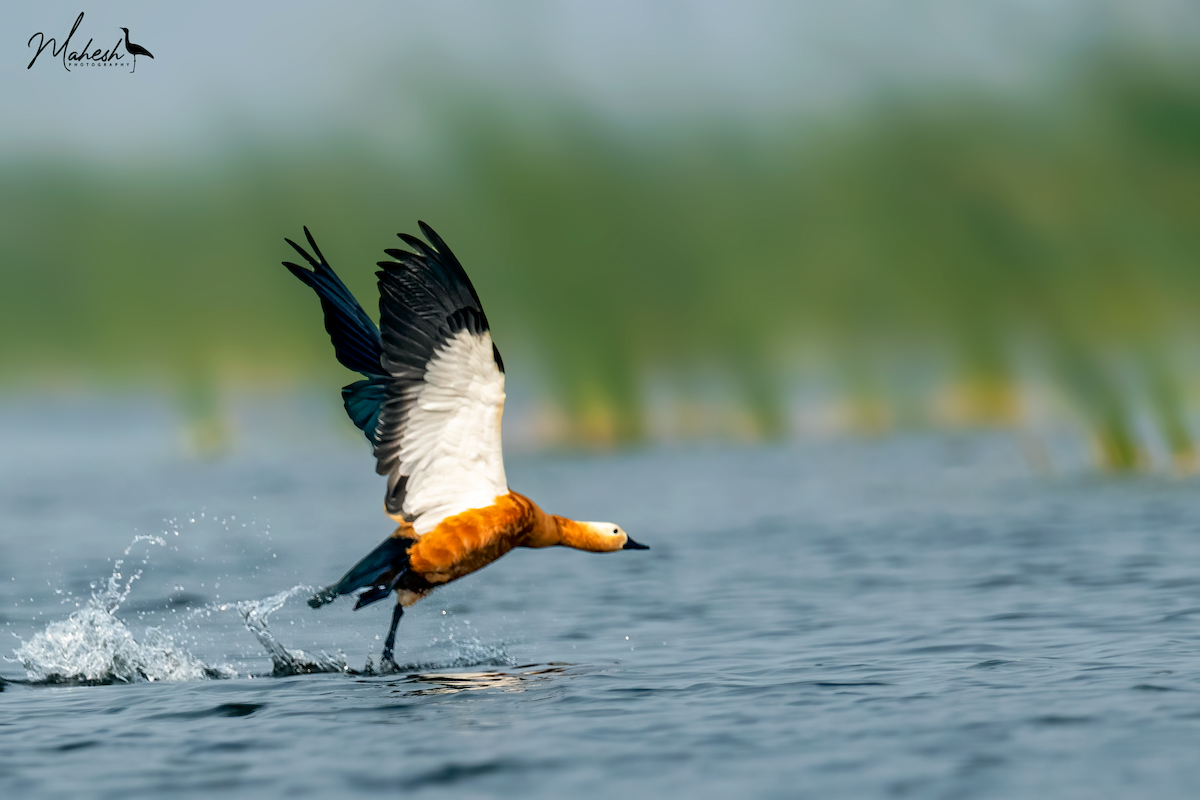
{"x": 916, "y": 617}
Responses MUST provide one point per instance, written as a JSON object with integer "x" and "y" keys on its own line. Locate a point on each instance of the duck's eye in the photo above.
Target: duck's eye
{"x": 615, "y": 530}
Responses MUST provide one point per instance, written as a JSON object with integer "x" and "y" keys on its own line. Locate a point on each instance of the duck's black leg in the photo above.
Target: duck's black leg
{"x": 389, "y": 644}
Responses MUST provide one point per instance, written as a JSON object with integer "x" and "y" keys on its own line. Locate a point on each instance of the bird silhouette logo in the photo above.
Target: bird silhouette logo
{"x": 86, "y": 56}
{"x": 135, "y": 50}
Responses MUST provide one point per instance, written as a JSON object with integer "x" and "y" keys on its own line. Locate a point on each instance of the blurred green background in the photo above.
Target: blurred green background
{"x": 755, "y": 222}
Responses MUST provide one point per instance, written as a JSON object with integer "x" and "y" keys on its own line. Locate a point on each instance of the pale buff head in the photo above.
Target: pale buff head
{"x": 595, "y": 537}
{"x": 613, "y": 537}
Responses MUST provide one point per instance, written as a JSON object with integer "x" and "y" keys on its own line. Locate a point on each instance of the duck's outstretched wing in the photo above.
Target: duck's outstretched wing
{"x": 437, "y": 437}
{"x": 433, "y": 393}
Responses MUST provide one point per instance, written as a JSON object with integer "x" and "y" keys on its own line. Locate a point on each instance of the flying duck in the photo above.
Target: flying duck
{"x": 430, "y": 403}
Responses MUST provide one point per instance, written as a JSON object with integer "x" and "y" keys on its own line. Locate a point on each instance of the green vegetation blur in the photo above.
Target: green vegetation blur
{"x": 950, "y": 260}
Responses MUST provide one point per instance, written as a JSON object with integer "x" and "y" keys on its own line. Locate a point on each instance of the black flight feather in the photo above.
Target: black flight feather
{"x": 355, "y": 337}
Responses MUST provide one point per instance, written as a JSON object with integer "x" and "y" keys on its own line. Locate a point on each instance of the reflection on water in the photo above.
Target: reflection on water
{"x": 453, "y": 682}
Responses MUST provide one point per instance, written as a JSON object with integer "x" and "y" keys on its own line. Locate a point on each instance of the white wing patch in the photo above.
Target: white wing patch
{"x": 450, "y": 449}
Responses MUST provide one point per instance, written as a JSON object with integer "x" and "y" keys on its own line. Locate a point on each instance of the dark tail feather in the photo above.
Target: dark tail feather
{"x": 355, "y": 338}
{"x": 380, "y": 570}
{"x": 371, "y": 595}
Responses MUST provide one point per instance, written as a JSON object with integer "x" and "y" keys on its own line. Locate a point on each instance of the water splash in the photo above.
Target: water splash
{"x": 92, "y": 646}
{"x": 284, "y": 661}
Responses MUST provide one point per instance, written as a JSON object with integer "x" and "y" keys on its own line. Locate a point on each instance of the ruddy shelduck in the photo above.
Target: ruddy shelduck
{"x": 430, "y": 403}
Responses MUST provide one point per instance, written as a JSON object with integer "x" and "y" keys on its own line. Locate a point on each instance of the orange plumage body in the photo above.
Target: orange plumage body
{"x": 469, "y": 541}
{"x": 461, "y": 544}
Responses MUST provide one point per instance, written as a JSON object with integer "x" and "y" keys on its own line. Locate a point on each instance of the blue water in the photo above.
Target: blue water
{"x": 919, "y": 616}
